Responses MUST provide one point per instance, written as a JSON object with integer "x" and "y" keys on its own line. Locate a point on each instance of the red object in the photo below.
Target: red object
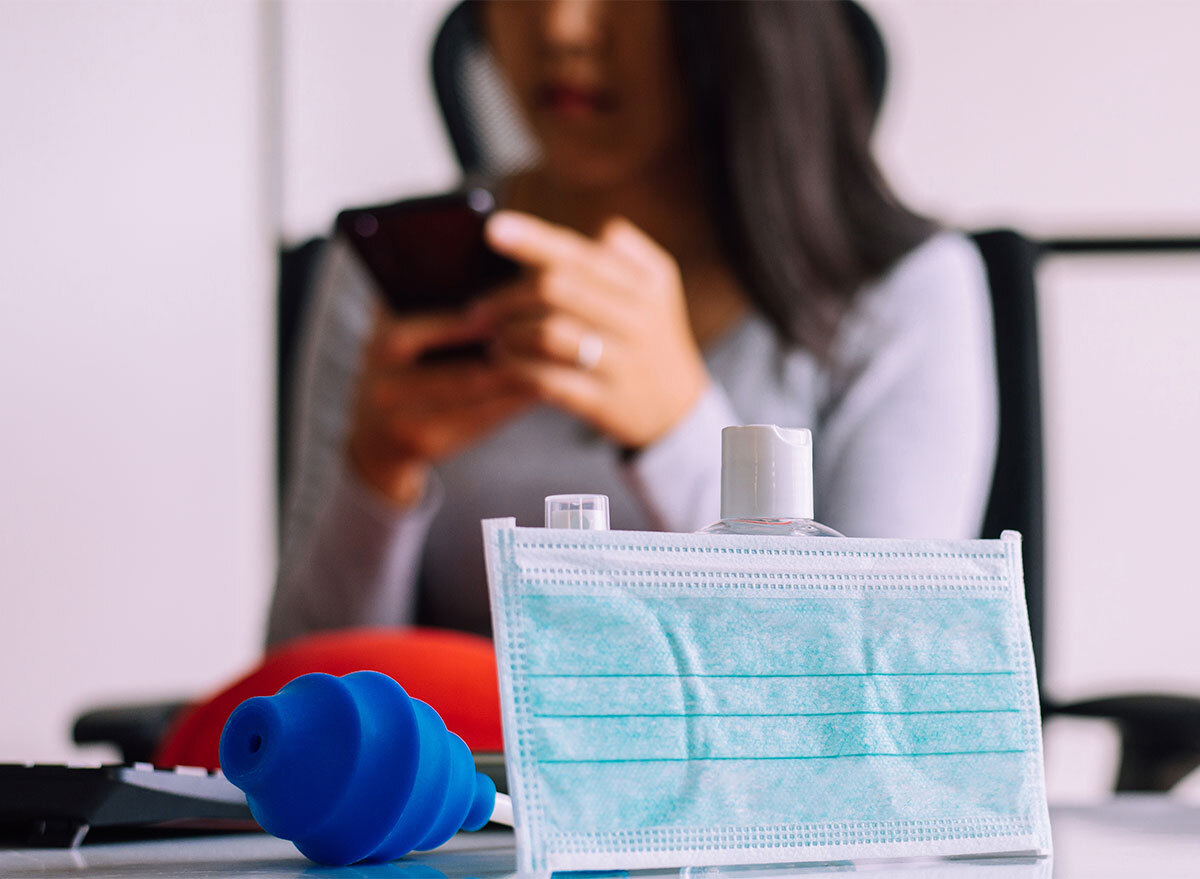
{"x": 453, "y": 671}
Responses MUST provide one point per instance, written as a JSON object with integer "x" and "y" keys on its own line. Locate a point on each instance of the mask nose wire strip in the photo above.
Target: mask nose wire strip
{"x": 502, "y": 812}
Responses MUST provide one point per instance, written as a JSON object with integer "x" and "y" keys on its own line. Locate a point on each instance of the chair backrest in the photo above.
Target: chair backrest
{"x": 487, "y": 131}
{"x": 1017, "y": 500}
{"x": 296, "y": 269}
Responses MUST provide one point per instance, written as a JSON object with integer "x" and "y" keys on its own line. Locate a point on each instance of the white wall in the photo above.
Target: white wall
{"x": 1059, "y": 115}
{"x": 135, "y": 356}
{"x": 1071, "y": 118}
{"x": 359, "y": 119}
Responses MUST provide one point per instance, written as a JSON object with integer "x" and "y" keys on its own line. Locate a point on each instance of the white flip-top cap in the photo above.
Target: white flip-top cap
{"x": 766, "y": 472}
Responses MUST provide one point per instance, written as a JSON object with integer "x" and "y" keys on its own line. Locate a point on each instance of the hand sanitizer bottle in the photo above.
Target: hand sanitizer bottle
{"x": 767, "y": 483}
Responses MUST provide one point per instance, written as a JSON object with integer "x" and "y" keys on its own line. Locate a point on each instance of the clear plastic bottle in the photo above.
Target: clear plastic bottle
{"x": 766, "y": 483}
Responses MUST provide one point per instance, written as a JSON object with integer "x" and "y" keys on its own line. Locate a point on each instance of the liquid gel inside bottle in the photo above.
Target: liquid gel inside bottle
{"x": 767, "y": 483}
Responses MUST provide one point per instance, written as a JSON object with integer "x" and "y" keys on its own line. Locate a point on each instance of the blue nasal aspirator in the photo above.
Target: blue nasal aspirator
{"x": 352, "y": 769}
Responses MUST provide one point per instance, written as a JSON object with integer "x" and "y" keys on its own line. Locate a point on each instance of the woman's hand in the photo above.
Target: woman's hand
{"x": 408, "y": 414}
{"x": 597, "y": 327}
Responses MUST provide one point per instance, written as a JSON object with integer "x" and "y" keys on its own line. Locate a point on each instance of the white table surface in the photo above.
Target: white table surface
{"x": 1144, "y": 837}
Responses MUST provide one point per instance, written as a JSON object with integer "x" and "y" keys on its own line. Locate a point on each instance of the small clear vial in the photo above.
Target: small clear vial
{"x": 766, "y": 483}
{"x": 588, "y": 512}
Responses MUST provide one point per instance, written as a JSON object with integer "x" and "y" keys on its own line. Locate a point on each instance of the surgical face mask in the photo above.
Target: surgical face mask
{"x": 675, "y": 700}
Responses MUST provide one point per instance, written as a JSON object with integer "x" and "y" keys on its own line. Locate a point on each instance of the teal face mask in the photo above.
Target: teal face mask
{"x": 680, "y": 699}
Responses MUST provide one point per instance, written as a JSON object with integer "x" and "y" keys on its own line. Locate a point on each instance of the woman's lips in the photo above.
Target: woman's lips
{"x": 570, "y": 100}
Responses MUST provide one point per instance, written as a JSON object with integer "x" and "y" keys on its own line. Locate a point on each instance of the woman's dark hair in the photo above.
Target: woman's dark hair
{"x": 782, "y": 117}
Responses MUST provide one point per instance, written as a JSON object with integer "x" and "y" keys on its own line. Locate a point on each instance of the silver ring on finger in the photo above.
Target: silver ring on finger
{"x": 591, "y": 349}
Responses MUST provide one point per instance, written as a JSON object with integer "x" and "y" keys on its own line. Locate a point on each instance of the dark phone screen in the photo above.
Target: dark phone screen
{"x": 427, "y": 254}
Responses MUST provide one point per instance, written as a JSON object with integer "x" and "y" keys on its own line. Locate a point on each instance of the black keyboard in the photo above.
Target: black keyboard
{"x": 58, "y": 806}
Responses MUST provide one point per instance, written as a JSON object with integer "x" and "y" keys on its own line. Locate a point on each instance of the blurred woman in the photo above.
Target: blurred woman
{"x": 706, "y": 241}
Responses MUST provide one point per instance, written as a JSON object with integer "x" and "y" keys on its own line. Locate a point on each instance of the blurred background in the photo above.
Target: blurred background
{"x": 153, "y": 157}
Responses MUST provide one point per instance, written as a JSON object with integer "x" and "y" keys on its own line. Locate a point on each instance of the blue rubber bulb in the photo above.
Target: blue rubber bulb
{"x": 352, "y": 769}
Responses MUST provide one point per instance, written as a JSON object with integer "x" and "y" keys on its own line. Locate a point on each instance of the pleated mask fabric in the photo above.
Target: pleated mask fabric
{"x": 684, "y": 699}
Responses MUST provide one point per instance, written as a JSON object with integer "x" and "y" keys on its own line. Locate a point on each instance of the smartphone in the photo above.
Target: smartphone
{"x": 427, "y": 254}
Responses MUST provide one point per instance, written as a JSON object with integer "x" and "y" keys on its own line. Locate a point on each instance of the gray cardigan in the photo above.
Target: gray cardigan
{"x": 904, "y": 421}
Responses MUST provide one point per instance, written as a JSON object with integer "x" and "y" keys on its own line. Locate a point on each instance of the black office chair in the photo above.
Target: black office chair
{"x": 1160, "y": 734}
